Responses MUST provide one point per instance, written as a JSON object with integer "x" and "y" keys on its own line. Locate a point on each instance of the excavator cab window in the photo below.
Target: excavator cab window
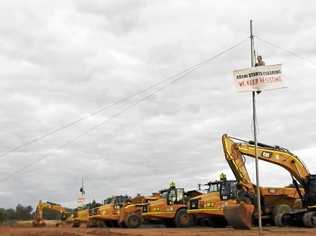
{"x": 172, "y": 196}
{"x": 180, "y": 194}
{"x": 118, "y": 201}
{"x": 214, "y": 187}
{"x": 107, "y": 201}
{"x": 228, "y": 190}
{"x": 175, "y": 196}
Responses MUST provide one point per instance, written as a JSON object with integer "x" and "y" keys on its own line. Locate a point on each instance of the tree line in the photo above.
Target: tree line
{"x": 19, "y": 213}
{"x": 24, "y": 213}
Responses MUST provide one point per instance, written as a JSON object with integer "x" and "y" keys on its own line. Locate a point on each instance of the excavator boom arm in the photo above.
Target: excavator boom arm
{"x": 236, "y": 163}
{"x": 275, "y": 155}
{"x": 241, "y": 216}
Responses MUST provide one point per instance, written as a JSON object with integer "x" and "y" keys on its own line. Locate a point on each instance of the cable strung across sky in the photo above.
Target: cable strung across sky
{"x": 169, "y": 79}
{"x": 126, "y": 104}
{"x": 287, "y": 51}
{"x": 154, "y": 89}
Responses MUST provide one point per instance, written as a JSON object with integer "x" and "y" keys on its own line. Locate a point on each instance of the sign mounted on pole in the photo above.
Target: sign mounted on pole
{"x": 259, "y": 78}
{"x": 81, "y": 201}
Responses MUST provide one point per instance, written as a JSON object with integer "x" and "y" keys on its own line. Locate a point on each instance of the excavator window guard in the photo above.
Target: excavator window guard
{"x": 213, "y": 187}
{"x": 180, "y": 194}
{"x": 118, "y": 201}
{"x": 228, "y": 190}
{"x": 175, "y": 196}
{"x": 172, "y": 196}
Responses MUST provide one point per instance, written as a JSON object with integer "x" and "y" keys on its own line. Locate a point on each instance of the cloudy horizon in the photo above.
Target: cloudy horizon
{"x": 64, "y": 60}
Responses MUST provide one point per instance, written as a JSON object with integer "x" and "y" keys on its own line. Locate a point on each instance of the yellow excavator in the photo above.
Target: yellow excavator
{"x": 131, "y": 211}
{"x": 81, "y": 216}
{"x": 38, "y": 220}
{"x": 283, "y": 204}
{"x": 108, "y": 214}
{"x": 119, "y": 211}
{"x": 208, "y": 208}
{"x": 170, "y": 208}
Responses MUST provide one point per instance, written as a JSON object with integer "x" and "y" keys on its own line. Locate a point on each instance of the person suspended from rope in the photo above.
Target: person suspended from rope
{"x": 83, "y": 192}
{"x": 260, "y": 61}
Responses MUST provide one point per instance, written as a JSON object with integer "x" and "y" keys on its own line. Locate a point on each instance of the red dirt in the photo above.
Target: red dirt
{"x": 203, "y": 231}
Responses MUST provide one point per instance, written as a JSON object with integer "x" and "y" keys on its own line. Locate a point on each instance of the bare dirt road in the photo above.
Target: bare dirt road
{"x": 203, "y": 231}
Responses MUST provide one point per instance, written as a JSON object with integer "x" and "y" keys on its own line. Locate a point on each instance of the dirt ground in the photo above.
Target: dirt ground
{"x": 198, "y": 231}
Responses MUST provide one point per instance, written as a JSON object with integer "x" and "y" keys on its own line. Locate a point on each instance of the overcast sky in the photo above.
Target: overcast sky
{"x": 63, "y": 60}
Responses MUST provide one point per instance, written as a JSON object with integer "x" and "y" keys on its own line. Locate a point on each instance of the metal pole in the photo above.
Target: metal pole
{"x": 255, "y": 132}
{"x": 82, "y": 187}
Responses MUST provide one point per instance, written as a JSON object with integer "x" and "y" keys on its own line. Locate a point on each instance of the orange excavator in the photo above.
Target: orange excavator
{"x": 282, "y": 203}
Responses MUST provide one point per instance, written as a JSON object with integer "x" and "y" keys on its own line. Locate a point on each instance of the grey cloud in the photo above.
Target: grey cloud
{"x": 121, "y": 16}
{"x": 62, "y": 60}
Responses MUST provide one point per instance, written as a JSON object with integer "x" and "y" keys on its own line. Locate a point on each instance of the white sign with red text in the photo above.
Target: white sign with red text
{"x": 259, "y": 78}
{"x": 81, "y": 201}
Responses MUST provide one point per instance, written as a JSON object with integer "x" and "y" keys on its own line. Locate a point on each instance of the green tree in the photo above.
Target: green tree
{"x": 23, "y": 213}
{"x": 10, "y": 214}
{"x": 2, "y": 215}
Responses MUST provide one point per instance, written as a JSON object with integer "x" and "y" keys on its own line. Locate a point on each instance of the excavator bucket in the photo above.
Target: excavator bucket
{"x": 240, "y": 216}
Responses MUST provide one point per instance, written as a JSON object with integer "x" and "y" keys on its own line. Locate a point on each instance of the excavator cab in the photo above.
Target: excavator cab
{"x": 175, "y": 196}
{"x": 310, "y": 196}
{"x": 227, "y": 189}
{"x": 118, "y": 201}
